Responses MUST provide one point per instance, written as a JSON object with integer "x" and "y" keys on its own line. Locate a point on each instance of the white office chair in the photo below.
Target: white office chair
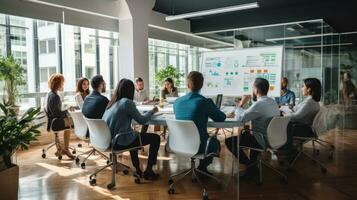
{"x": 101, "y": 140}
{"x": 185, "y": 141}
{"x": 319, "y": 127}
{"x": 276, "y": 138}
{"x": 80, "y": 129}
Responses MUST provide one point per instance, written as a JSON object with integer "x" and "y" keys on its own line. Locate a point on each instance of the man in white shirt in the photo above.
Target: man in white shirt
{"x": 140, "y": 94}
{"x": 259, "y": 114}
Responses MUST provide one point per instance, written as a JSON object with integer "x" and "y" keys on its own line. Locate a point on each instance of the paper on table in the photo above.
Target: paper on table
{"x": 285, "y": 109}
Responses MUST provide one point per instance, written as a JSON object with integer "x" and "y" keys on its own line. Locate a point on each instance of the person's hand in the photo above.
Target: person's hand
{"x": 245, "y": 99}
{"x": 155, "y": 109}
{"x": 230, "y": 115}
{"x": 71, "y": 108}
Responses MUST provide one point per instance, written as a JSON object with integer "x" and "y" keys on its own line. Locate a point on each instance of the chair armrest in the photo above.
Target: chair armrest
{"x": 116, "y": 137}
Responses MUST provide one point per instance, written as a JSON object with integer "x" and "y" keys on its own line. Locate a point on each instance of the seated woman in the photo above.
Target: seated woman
{"x": 169, "y": 89}
{"x": 82, "y": 91}
{"x": 54, "y": 110}
{"x": 303, "y": 114}
{"x": 119, "y": 114}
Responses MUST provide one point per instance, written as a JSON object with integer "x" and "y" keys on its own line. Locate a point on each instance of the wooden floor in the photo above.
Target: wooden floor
{"x": 53, "y": 179}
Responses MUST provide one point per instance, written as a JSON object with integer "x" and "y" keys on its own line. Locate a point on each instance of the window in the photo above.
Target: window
{"x": 90, "y": 47}
{"x": 47, "y": 46}
{"x": 46, "y": 72}
{"x": 89, "y": 71}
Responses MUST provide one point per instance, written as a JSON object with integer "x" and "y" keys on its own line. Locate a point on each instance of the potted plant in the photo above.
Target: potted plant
{"x": 167, "y": 72}
{"x": 12, "y": 73}
{"x": 15, "y": 133}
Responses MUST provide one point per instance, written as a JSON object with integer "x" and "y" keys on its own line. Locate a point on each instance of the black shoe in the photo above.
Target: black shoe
{"x": 138, "y": 173}
{"x": 150, "y": 175}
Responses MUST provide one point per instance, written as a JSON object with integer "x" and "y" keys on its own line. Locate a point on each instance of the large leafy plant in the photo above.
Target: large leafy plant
{"x": 16, "y": 132}
{"x": 11, "y": 72}
{"x": 168, "y": 72}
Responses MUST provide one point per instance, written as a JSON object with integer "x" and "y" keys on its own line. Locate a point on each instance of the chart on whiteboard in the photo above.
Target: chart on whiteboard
{"x": 232, "y": 73}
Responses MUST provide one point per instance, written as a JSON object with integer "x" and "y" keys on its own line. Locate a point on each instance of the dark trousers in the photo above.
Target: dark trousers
{"x": 245, "y": 139}
{"x": 147, "y": 139}
{"x": 298, "y": 130}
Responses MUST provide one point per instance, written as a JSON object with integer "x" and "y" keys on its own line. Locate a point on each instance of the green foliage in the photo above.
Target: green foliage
{"x": 16, "y": 132}
{"x": 168, "y": 72}
{"x": 11, "y": 72}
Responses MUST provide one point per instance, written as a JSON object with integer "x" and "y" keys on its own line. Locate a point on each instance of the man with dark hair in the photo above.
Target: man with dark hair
{"x": 94, "y": 104}
{"x": 197, "y": 108}
{"x": 259, "y": 113}
{"x": 140, "y": 94}
{"x": 287, "y": 97}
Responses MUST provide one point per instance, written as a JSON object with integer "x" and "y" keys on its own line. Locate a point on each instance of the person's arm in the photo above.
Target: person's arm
{"x": 300, "y": 112}
{"x": 131, "y": 109}
{"x": 293, "y": 98}
{"x": 214, "y": 113}
{"x": 247, "y": 115}
{"x": 79, "y": 100}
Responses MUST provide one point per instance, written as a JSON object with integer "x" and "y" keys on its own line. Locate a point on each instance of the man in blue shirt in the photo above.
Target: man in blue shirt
{"x": 197, "y": 108}
{"x": 287, "y": 96}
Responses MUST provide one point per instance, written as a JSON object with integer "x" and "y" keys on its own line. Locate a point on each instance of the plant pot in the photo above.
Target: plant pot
{"x": 9, "y": 183}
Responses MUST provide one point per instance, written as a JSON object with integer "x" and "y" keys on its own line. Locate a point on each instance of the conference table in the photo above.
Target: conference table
{"x": 167, "y": 112}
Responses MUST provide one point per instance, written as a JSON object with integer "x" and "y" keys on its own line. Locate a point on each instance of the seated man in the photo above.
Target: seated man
{"x": 287, "y": 97}
{"x": 260, "y": 114}
{"x": 95, "y": 104}
{"x": 197, "y": 108}
{"x": 140, "y": 94}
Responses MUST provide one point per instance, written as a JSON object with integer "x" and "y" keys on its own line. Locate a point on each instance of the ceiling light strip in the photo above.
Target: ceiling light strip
{"x": 213, "y": 11}
{"x": 191, "y": 35}
{"x": 72, "y": 9}
{"x": 260, "y": 26}
{"x": 324, "y": 45}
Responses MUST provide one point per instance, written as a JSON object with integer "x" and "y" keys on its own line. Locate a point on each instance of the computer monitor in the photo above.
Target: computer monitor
{"x": 219, "y": 100}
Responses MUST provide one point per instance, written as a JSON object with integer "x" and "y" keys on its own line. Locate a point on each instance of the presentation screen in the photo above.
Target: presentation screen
{"x": 233, "y": 72}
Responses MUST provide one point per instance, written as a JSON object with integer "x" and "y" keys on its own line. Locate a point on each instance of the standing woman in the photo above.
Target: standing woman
{"x": 169, "y": 89}
{"x": 82, "y": 91}
{"x": 120, "y": 112}
{"x": 54, "y": 111}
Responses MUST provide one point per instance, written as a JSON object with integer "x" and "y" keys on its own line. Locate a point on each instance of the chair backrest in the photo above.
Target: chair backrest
{"x": 277, "y": 132}
{"x": 326, "y": 119}
{"x": 184, "y": 137}
{"x": 99, "y": 133}
{"x": 80, "y": 125}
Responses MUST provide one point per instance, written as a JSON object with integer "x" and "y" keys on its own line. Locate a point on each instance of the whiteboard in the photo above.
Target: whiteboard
{"x": 232, "y": 73}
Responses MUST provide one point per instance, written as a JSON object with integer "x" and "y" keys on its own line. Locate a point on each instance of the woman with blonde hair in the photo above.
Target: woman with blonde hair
{"x": 54, "y": 111}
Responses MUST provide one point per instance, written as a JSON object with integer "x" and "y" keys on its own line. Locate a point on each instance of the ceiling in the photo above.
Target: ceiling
{"x": 340, "y": 14}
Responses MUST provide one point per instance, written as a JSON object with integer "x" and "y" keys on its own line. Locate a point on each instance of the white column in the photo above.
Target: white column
{"x": 133, "y": 39}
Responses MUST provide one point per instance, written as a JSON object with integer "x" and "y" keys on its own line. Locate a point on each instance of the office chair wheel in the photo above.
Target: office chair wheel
{"x": 171, "y": 190}
{"x": 171, "y": 181}
{"x": 125, "y": 172}
{"x": 332, "y": 146}
{"x": 77, "y": 160}
{"x": 59, "y": 157}
{"x": 323, "y": 170}
{"x": 137, "y": 180}
{"x": 194, "y": 180}
{"x": 79, "y": 145}
{"x": 110, "y": 186}
{"x": 93, "y": 182}
{"x": 205, "y": 195}
{"x": 316, "y": 151}
{"x": 108, "y": 161}
{"x": 43, "y": 155}
{"x": 83, "y": 165}
{"x": 74, "y": 152}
